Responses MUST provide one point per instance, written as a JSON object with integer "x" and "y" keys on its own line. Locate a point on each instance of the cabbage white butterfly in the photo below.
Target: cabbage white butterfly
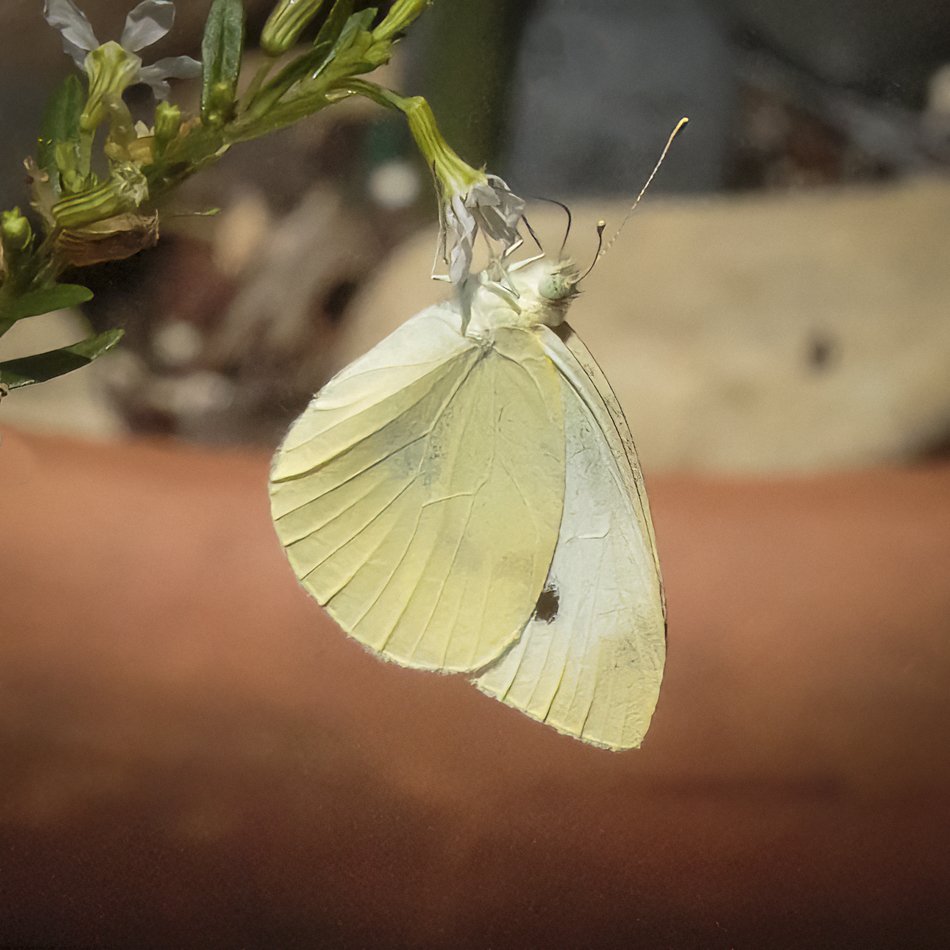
{"x": 460, "y": 472}
{"x": 466, "y": 497}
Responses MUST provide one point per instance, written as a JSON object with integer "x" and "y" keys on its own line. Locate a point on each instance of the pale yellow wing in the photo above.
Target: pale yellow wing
{"x": 419, "y": 495}
{"x": 591, "y": 660}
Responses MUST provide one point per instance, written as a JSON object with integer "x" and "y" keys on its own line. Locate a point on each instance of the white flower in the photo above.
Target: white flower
{"x": 469, "y": 201}
{"x": 487, "y": 204}
{"x": 145, "y": 25}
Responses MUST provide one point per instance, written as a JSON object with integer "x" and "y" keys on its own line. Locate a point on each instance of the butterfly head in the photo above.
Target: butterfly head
{"x": 545, "y": 289}
{"x": 528, "y": 294}
{"x": 560, "y": 283}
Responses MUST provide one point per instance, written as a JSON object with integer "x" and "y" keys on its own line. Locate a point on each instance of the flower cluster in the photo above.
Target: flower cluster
{"x": 471, "y": 201}
{"x": 93, "y": 208}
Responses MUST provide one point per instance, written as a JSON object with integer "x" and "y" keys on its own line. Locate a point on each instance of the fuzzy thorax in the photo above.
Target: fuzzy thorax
{"x": 528, "y": 296}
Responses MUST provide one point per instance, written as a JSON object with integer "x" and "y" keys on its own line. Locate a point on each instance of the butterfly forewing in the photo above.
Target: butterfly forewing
{"x": 591, "y": 663}
{"x": 412, "y": 504}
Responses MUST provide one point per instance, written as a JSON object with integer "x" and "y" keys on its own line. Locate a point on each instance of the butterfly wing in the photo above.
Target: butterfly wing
{"x": 419, "y": 495}
{"x": 590, "y": 661}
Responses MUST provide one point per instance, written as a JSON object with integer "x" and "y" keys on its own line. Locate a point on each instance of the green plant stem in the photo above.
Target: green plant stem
{"x": 370, "y": 90}
{"x": 86, "y": 140}
{"x": 250, "y": 94}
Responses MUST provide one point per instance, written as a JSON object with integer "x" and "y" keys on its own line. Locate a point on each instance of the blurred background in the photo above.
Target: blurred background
{"x": 777, "y": 303}
{"x": 191, "y": 754}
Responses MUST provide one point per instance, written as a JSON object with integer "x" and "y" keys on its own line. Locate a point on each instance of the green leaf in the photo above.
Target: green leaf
{"x": 359, "y": 22}
{"x": 61, "y": 127}
{"x": 44, "y": 366}
{"x": 347, "y": 55}
{"x": 45, "y": 300}
{"x": 332, "y": 27}
{"x": 221, "y": 50}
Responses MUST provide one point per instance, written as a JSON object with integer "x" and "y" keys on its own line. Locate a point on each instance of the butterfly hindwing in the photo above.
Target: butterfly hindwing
{"x": 410, "y": 501}
{"x": 590, "y": 661}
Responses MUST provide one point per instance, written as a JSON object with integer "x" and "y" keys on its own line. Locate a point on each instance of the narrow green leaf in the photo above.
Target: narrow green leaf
{"x": 221, "y": 50}
{"x": 44, "y": 366}
{"x": 357, "y": 23}
{"x": 338, "y": 37}
{"x": 61, "y": 128}
{"x": 298, "y": 89}
{"x": 44, "y": 300}
{"x": 333, "y": 25}
{"x": 348, "y": 54}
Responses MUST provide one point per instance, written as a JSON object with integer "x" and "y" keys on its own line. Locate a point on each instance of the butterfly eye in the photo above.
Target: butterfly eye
{"x": 555, "y": 287}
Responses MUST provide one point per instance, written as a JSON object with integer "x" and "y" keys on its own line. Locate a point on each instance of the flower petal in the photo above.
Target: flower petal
{"x": 172, "y": 67}
{"x": 460, "y": 261}
{"x": 147, "y": 24}
{"x": 501, "y": 213}
{"x": 458, "y": 213}
{"x": 177, "y": 67}
{"x": 459, "y": 228}
{"x": 78, "y": 38}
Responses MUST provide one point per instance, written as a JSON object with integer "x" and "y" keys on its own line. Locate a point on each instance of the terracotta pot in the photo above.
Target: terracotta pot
{"x": 193, "y": 755}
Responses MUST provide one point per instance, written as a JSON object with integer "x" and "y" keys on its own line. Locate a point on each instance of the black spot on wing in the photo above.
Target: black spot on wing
{"x": 548, "y": 603}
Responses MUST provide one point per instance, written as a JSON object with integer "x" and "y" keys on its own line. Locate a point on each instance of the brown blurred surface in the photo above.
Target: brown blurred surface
{"x": 191, "y": 754}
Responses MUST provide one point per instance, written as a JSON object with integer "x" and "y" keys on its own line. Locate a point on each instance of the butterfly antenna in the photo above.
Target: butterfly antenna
{"x": 567, "y": 211}
{"x": 601, "y": 226}
{"x": 567, "y": 229}
{"x": 534, "y": 236}
{"x": 679, "y": 128}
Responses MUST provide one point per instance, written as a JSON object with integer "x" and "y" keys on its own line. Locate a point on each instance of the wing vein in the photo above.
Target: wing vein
{"x": 356, "y": 534}
{"x": 398, "y": 417}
